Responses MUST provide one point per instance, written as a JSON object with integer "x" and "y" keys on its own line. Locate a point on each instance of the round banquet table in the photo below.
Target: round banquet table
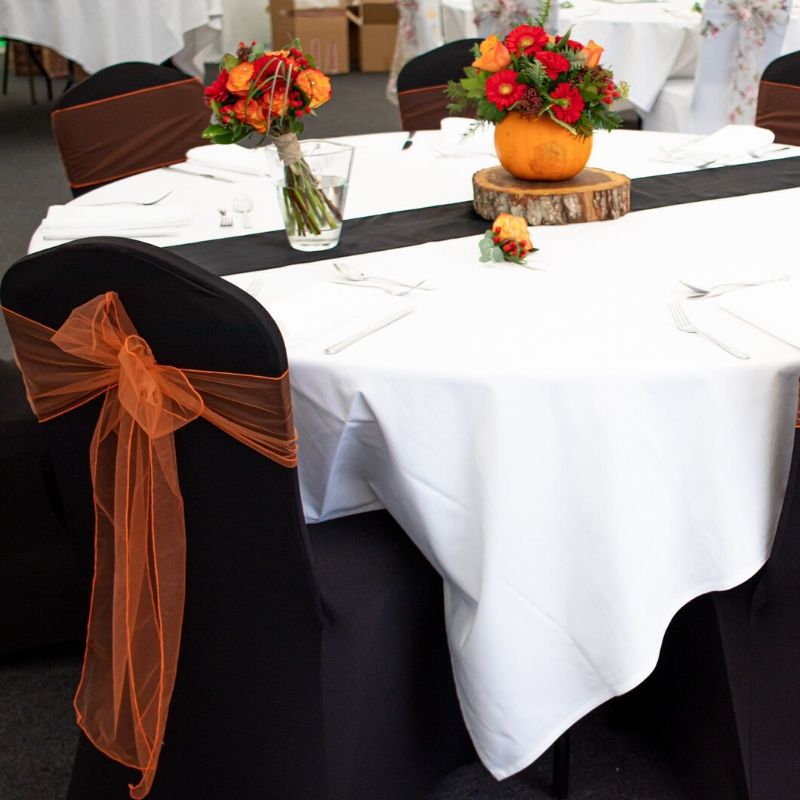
{"x": 575, "y": 466}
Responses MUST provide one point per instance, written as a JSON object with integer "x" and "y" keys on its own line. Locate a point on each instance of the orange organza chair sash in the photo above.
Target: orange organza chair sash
{"x": 138, "y": 591}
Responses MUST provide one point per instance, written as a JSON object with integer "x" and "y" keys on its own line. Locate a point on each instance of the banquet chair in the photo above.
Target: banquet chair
{"x": 778, "y": 106}
{"x": 41, "y": 598}
{"x": 723, "y": 90}
{"x": 313, "y": 659}
{"x": 422, "y": 82}
{"x": 499, "y": 16}
{"x": 124, "y": 119}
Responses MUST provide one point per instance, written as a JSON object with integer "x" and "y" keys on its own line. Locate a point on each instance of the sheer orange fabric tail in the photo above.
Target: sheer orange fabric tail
{"x": 136, "y": 611}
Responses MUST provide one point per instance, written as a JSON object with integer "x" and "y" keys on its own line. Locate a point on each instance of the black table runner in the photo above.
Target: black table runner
{"x": 452, "y": 221}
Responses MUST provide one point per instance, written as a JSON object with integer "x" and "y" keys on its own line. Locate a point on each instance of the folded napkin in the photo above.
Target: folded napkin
{"x": 731, "y": 143}
{"x": 228, "y": 157}
{"x": 74, "y": 221}
{"x": 462, "y": 136}
{"x": 331, "y": 309}
{"x": 771, "y": 308}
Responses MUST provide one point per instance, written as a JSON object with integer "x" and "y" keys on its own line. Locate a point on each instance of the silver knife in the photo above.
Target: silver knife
{"x": 190, "y": 171}
{"x": 364, "y": 332}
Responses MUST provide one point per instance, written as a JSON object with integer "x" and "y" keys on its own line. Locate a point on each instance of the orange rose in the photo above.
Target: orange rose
{"x": 315, "y": 85}
{"x": 274, "y": 99}
{"x": 494, "y": 55}
{"x": 251, "y": 113}
{"x": 592, "y": 51}
{"x": 239, "y": 78}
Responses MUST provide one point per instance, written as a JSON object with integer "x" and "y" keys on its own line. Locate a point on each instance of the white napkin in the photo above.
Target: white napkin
{"x": 142, "y": 189}
{"x": 74, "y": 222}
{"x": 729, "y": 144}
{"x": 229, "y": 157}
{"x": 772, "y": 309}
{"x": 331, "y": 309}
{"x": 461, "y": 136}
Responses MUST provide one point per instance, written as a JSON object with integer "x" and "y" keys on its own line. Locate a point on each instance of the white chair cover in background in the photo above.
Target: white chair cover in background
{"x": 500, "y": 16}
{"x": 740, "y": 37}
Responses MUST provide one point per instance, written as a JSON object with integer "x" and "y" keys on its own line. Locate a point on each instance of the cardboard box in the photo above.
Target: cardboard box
{"x": 322, "y": 33}
{"x": 377, "y": 33}
{"x": 54, "y": 64}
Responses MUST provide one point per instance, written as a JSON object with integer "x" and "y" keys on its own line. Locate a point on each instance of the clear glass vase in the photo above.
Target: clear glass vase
{"x": 312, "y": 184}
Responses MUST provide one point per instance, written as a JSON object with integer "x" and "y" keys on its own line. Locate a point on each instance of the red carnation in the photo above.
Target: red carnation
{"x": 503, "y": 90}
{"x": 218, "y": 90}
{"x": 526, "y": 40}
{"x": 554, "y": 63}
{"x": 570, "y": 103}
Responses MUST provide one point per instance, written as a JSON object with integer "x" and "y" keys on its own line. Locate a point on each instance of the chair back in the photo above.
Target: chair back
{"x": 245, "y": 718}
{"x": 499, "y": 16}
{"x": 739, "y": 39}
{"x": 778, "y": 105}
{"x": 422, "y": 82}
{"x": 127, "y": 118}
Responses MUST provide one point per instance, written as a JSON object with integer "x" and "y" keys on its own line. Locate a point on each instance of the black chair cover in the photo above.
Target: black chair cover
{"x": 42, "y": 600}
{"x": 778, "y": 105}
{"x": 127, "y": 118}
{"x": 313, "y": 660}
{"x": 422, "y": 81}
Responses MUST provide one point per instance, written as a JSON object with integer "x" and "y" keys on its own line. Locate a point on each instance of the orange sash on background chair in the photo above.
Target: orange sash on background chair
{"x": 136, "y": 613}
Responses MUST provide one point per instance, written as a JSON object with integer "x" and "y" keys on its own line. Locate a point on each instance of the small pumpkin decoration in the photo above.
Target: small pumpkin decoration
{"x": 538, "y": 149}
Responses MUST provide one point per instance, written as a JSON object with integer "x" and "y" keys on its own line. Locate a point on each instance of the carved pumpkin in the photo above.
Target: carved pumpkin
{"x": 538, "y": 149}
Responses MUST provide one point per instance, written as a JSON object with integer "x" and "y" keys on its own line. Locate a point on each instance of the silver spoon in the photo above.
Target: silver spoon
{"x": 722, "y": 288}
{"x": 356, "y": 275}
{"x": 243, "y": 204}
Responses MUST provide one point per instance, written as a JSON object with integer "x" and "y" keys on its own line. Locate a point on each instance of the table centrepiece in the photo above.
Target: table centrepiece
{"x": 545, "y": 95}
{"x": 268, "y": 93}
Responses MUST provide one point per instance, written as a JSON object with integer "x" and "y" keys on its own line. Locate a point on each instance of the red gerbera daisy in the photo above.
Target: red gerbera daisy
{"x": 571, "y": 43}
{"x": 571, "y": 104}
{"x": 503, "y": 90}
{"x": 554, "y": 63}
{"x": 526, "y": 40}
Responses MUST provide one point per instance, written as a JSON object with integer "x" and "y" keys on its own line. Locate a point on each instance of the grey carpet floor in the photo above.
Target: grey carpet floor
{"x": 37, "y": 730}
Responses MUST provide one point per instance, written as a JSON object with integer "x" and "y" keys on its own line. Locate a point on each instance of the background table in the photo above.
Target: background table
{"x": 151, "y": 31}
{"x": 575, "y": 466}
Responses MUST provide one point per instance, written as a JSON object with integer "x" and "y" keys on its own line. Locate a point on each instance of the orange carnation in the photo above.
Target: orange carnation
{"x": 494, "y": 55}
{"x": 512, "y": 228}
{"x": 593, "y": 52}
{"x": 251, "y": 113}
{"x": 315, "y": 85}
{"x": 239, "y": 78}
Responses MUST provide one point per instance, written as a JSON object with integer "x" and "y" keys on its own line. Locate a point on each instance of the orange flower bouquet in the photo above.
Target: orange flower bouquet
{"x": 539, "y": 75}
{"x": 258, "y": 91}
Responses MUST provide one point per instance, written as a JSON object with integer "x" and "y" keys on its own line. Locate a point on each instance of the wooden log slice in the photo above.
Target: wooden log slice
{"x": 593, "y": 194}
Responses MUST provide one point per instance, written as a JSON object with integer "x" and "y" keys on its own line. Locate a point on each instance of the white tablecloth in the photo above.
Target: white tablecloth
{"x": 148, "y": 30}
{"x": 645, "y": 43}
{"x": 575, "y": 466}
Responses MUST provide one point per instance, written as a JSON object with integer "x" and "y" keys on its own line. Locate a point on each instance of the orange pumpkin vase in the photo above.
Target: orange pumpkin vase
{"x": 538, "y": 149}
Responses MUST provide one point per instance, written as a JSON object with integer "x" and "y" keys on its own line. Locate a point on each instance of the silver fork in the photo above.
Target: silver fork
{"x": 685, "y": 324}
{"x": 225, "y": 219}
